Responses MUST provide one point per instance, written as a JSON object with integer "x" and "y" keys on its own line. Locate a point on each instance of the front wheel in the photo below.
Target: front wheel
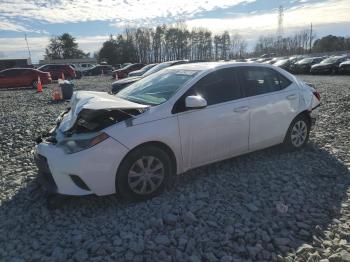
{"x": 298, "y": 133}
{"x": 144, "y": 173}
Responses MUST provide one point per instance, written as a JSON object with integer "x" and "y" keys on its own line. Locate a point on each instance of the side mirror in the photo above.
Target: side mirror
{"x": 195, "y": 102}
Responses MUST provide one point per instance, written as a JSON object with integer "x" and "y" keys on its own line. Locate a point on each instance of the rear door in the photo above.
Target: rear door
{"x": 273, "y": 101}
{"x": 219, "y": 130}
{"x": 23, "y": 77}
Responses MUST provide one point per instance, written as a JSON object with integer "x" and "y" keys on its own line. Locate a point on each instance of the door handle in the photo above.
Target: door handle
{"x": 241, "y": 109}
{"x": 292, "y": 97}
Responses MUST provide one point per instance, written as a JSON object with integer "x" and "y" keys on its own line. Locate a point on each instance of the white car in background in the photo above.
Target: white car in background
{"x": 83, "y": 66}
{"x": 174, "y": 120}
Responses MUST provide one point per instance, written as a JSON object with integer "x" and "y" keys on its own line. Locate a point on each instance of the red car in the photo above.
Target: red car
{"x": 123, "y": 72}
{"x": 18, "y": 77}
{"x": 56, "y": 71}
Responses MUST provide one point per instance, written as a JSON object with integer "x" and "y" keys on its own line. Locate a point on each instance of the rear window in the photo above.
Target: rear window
{"x": 257, "y": 81}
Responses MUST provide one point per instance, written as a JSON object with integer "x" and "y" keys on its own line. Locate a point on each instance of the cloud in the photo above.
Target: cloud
{"x": 331, "y": 12}
{"x": 130, "y": 11}
{"x": 7, "y": 25}
{"x": 16, "y": 46}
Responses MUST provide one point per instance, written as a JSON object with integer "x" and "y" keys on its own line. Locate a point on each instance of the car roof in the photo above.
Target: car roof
{"x": 216, "y": 65}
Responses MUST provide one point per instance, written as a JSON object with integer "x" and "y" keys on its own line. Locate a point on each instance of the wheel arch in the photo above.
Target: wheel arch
{"x": 160, "y": 145}
{"x": 306, "y": 114}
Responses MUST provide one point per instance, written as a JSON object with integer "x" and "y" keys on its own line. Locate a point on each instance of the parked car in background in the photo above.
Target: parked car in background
{"x": 262, "y": 60}
{"x": 123, "y": 72}
{"x": 120, "y": 84}
{"x": 344, "y": 67}
{"x": 18, "y": 77}
{"x": 83, "y": 66}
{"x": 56, "y": 71}
{"x": 172, "y": 121}
{"x": 274, "y": 60}
{"x": 98, "y": 70}
{"x": 78, "y": 73}
{"x": 142, "y": 70}
{"x": 328, "y": 66}
{"x": 284, "y": 64}
{"x": 124, "y": 65}
{"x": 303, "y": 66}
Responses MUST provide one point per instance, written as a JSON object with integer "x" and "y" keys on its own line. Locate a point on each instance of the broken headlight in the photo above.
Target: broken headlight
{"x": 74, "y": 145}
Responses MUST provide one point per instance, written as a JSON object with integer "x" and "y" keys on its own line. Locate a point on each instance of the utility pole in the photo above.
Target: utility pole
{"x": 30, "y": 55}
{"x": 310, "y": 38}
{"x": 280, "y": 29}
{"x": 280, "y": 22}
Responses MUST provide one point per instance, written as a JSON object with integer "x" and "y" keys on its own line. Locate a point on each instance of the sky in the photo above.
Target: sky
{"x": 92, "y": 21}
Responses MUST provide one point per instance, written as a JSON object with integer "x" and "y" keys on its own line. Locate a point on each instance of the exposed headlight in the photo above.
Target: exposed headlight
{"x": 73, "y": 145}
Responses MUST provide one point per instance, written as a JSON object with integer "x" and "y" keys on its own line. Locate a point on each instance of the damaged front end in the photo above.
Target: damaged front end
{"x": 95, "y": 120}
{"x": 86, "y": 130}
{"x": 80, "y": 125}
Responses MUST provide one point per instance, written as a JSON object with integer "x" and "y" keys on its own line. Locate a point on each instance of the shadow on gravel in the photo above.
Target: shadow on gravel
{"x": 256, "y": 206}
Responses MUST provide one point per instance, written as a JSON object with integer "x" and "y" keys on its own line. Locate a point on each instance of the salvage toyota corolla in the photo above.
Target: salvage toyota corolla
{"x": 177, "y": 119}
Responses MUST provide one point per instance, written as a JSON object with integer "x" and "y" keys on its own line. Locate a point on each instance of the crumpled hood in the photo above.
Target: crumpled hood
{"x": 91, "y": 100}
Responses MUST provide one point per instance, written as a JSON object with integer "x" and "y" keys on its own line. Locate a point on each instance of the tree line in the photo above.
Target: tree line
{"x": 302, "y": 42}
{"x": 164, "y": 43}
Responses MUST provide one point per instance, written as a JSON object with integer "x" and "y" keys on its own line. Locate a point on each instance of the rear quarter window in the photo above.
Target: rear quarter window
{"x": 259, "y": 80}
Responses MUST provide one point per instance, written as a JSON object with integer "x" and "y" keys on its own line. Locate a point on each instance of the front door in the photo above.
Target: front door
{"x": 219, "y": 130}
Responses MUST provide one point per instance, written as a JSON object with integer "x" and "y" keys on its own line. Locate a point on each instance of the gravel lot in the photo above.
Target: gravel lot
{"x": 269, "y": 205}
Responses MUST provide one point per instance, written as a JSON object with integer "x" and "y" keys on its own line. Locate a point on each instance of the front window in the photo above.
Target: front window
{"x": 157, "y": 88}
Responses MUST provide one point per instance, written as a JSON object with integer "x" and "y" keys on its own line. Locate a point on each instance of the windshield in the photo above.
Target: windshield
{"x": 157, "y": 68}
{"x": 330, "y": 60}
{"x": 146, "y": 68}
{"x": 281, "y": 62}
{"x": 157, "y": 88}
{"x": 305, "y": 61}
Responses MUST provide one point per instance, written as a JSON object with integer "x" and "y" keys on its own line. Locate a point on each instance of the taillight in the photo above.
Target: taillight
{"x": 317, "y": 95}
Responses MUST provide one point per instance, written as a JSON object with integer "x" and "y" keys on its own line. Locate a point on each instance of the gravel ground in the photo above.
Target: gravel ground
{"x": 268, "y": 206}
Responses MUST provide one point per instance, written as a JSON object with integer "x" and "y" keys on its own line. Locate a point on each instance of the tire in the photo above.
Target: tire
{"x": 298, "y": 133}
{"x": 35, "y": 84}
{"x": 134, "y": 183}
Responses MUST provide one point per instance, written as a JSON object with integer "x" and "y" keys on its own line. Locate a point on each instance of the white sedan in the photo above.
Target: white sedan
{"x": 174, "y": 120}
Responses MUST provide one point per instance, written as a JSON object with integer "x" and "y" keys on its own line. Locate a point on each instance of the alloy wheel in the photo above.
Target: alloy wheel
{"x": 299, "y": 133}
{"x": 146, "y": 175}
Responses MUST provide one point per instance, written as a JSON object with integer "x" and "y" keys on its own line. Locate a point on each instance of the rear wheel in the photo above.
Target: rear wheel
{"x": 298, "y": 133}
{"x": 144, "y": 173}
